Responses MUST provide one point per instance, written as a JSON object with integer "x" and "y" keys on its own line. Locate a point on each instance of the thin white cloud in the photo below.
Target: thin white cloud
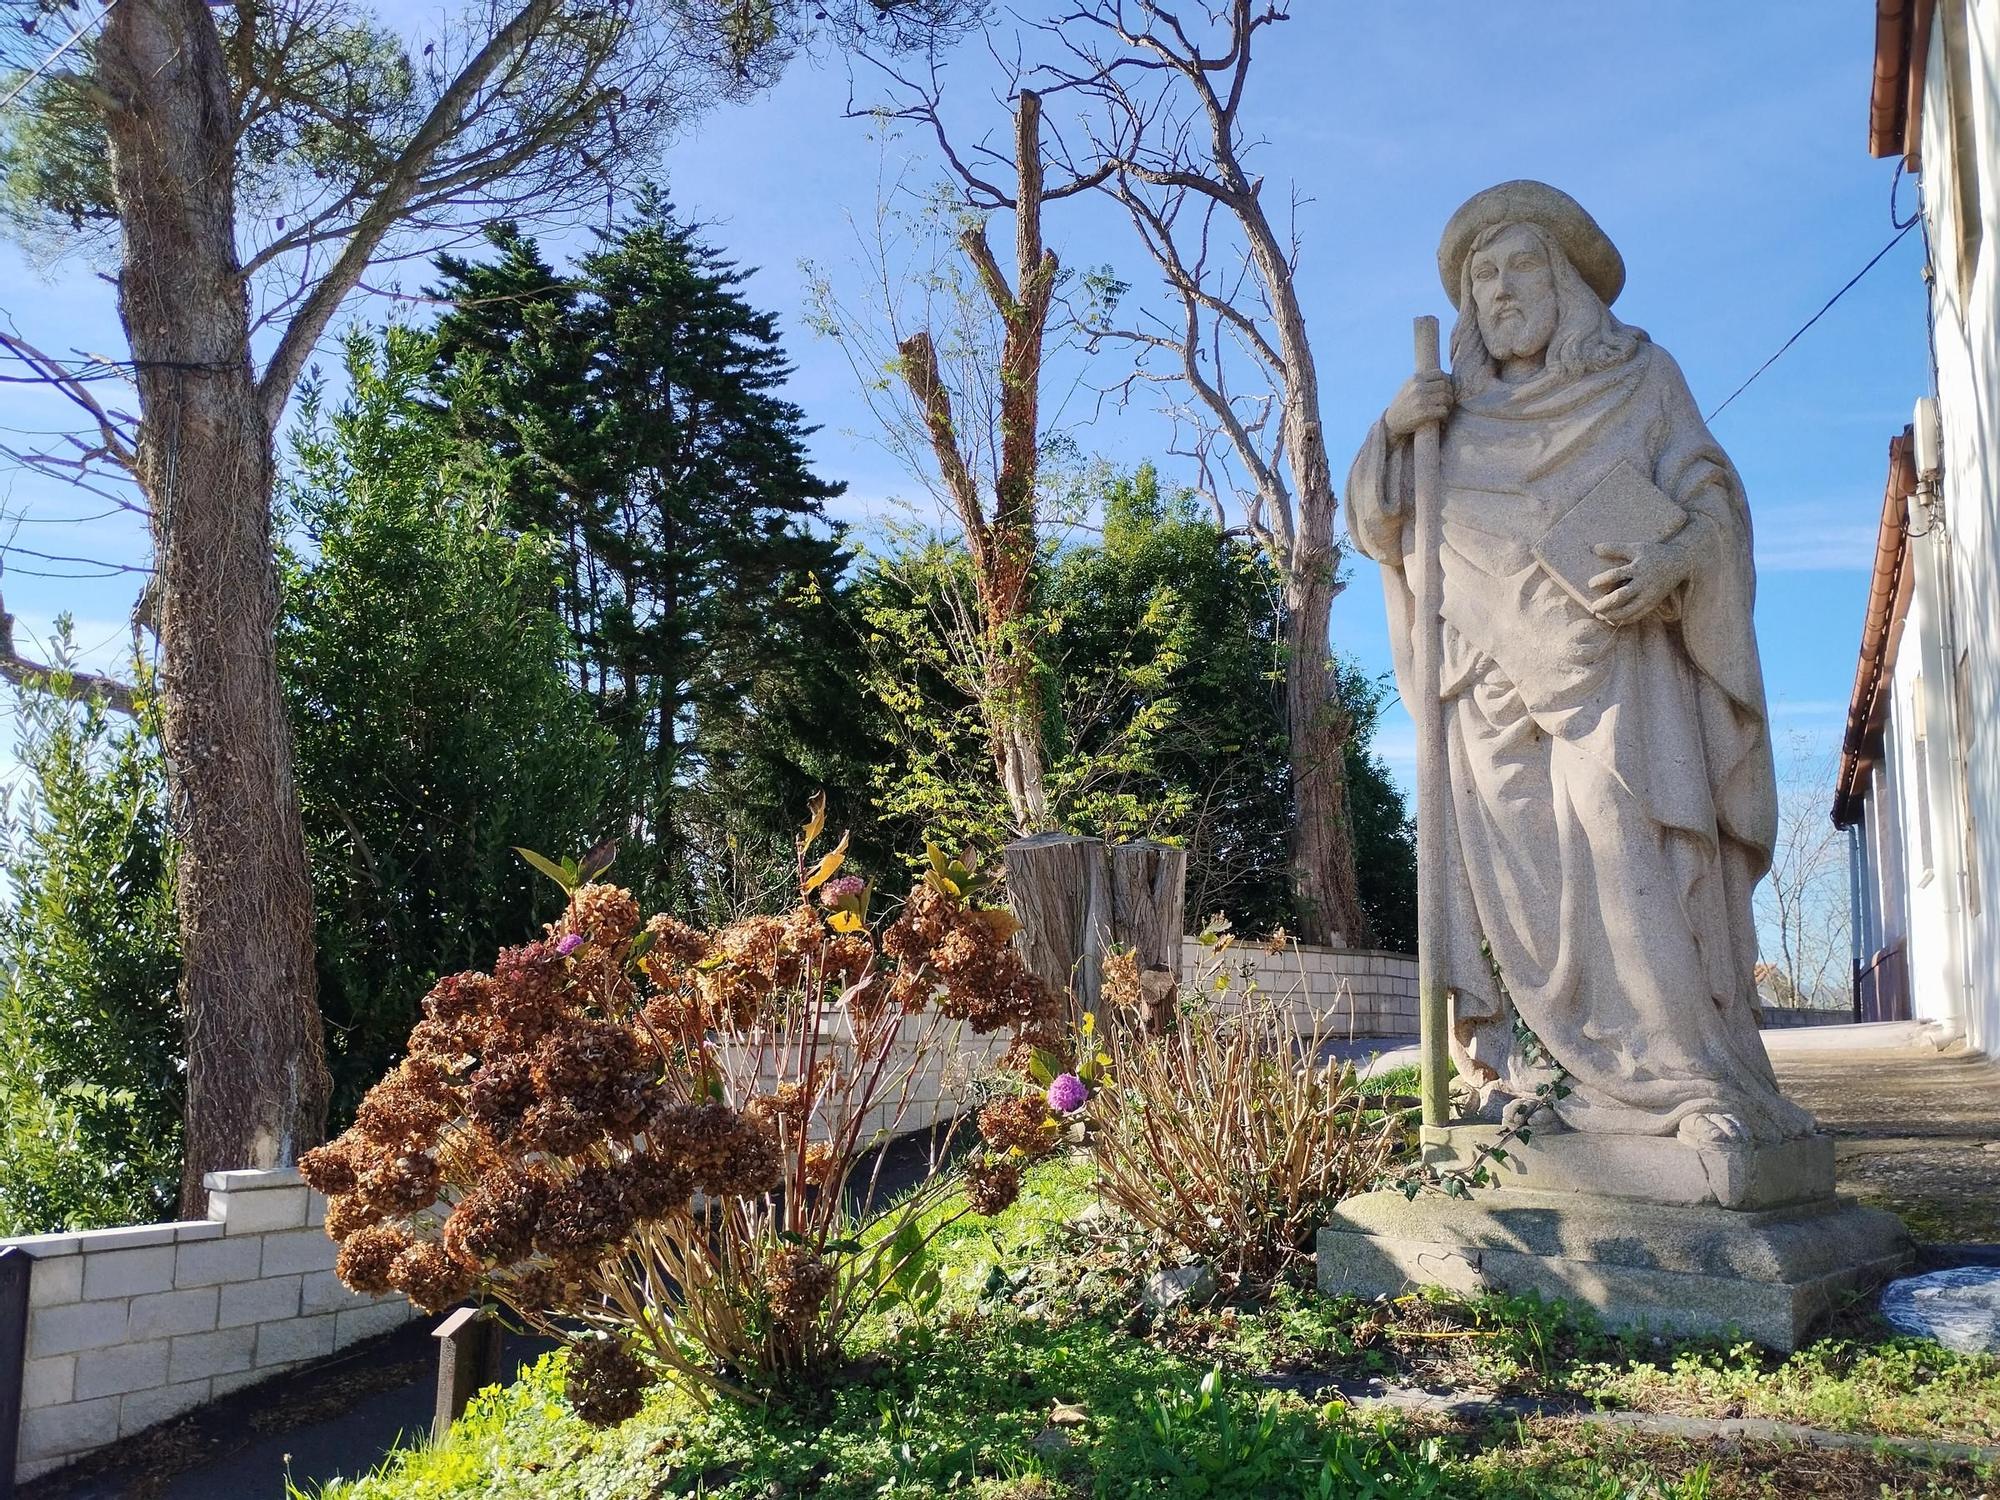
{"x": 1804, "y": 537}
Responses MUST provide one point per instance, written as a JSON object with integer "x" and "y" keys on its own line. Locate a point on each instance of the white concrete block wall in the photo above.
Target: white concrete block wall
{"x": 1360, "y": 992}
{"x": 129, "y": 1327}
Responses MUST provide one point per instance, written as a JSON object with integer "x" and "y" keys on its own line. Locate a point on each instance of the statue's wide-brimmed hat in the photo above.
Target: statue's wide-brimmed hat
{"x": 1589, "y": 248}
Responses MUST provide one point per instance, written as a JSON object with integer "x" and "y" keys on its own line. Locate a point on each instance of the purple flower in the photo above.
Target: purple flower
{"x": 841, "y": 889}
{"x": 1067, "y": 1093}
{"x": 568, "y": 943}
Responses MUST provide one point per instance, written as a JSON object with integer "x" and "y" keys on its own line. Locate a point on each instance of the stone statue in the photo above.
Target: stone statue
{"x": 1612, "y": 802}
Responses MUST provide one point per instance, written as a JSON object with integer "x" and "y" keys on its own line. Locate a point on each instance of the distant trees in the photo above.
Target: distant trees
{"x": 1160, "y": 695}
{"x": 426, "y": 677}
{"x": 1163, "y": 96}
{"x": 1803, "y": 910}
{"x": 90, "y": 1036}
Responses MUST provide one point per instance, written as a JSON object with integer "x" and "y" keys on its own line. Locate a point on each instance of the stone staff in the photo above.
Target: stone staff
{"x": 1433, "y": 796}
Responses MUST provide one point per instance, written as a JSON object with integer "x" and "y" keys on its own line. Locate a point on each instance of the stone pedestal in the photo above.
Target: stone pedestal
{"x": 1645, "y": 1231}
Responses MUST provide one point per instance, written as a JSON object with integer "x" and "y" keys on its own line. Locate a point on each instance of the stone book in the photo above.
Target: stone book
{"x": 1624, "y": 509}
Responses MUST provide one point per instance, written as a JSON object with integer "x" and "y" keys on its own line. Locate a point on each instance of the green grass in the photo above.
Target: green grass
{"x": 1408, "y": 1079}
{"x": 1041, "y": 1377}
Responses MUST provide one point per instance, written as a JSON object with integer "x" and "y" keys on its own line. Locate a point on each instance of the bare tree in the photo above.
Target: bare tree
{"x": 1163, "y": 103}
{"x": 250, "y": 164}
{"x": 1803, "y": 917}
{"x": 982, "y": 420}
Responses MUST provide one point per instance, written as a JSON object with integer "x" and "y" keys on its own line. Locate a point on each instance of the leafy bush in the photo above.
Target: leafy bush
{"x": 662, "y": 1136}
{"x": 426, "y": 678}
{"x": 1226, "y": 1136}
{"x": 90, "y": 1054}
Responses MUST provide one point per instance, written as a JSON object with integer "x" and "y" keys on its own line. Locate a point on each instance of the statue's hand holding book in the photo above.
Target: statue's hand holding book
{"x": 1615, "y": 550}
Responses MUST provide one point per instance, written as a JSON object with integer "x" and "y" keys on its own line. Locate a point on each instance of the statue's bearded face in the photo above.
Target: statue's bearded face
{"x": 1514, "y": 294}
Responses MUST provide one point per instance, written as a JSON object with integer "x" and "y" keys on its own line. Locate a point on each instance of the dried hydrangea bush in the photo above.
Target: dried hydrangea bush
{"x": 1228, "y": 1136}
{"x": 657, "y": 1141}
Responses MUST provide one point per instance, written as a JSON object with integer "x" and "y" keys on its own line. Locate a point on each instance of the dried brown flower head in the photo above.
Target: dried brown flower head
{"x": 1121, "y": 980}
{"x": 1017, "y": 1122}
{"x": 558, "y": 1128}
{"x": 985, "y": 983}
{"x": 796, "y": 1282}
{"x": 675, "y": 944}
{"x": 819, "y": 1163}
{"x": 651, "y": 1187}
{"x": 347, "y": 1212}
{"x": 603, "y": 913}
{"x": 429, "y": 1277}
{"x": 500, "y": 1094}
{"x": 404, "y": 1111}
{"x": 331, "y": 1169}
{"x": 606, "y": 1382}
{"x": 457, "y": 996}
{"x": 495, "y": 1223}
{"x": 585, "y": 1215}
{"x": 366, "y": 1259}
{"x": 401, "y": 1184}
{"x": 992, "y": 1185}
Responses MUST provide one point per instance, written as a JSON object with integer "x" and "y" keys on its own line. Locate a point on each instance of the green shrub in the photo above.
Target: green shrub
{"x": 90, "y": 1055}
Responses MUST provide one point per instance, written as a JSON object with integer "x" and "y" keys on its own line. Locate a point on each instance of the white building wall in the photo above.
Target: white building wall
{"x": 1960, "y": 152}
{"x": 1921, "y": 758}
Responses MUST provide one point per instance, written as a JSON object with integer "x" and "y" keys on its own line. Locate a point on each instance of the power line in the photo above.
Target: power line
{"x": 48, "y": 62}
{"x": 1893, "y": 241}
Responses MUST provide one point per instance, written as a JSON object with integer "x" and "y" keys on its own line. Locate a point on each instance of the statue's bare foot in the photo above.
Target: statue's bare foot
{"x": 1714, "y": 1130}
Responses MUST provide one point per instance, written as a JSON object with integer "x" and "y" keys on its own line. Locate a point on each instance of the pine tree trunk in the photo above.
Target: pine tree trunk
{"x": 257, "y": 1084}
{"x": 1322, "y": 852}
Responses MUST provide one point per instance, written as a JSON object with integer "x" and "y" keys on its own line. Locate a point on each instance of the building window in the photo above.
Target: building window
{"x": 1961, "y": 187}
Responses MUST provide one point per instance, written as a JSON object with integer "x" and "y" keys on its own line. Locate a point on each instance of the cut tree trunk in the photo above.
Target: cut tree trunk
{"x": 1322, "y": 846}
{"x": 1076, "y": 901}
{"x": 257, "y": 1083}
{"x": 1148, "y": 894}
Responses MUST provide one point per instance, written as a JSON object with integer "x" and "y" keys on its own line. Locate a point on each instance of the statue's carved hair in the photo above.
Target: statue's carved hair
{"x": 1587, "y": 337}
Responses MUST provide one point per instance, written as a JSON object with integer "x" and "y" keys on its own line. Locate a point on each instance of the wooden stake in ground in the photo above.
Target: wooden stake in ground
{"x": 1433, "y": 791}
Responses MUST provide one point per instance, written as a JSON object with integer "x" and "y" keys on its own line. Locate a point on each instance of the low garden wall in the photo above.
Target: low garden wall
{"x": 128, "y": 1327}
{"x": 1784, "y": 1017}
{"x": 1361, "y": 992}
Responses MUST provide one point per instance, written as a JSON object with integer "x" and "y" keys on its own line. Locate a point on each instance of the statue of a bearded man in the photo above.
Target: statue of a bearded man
{"x": 1612, "y": 802}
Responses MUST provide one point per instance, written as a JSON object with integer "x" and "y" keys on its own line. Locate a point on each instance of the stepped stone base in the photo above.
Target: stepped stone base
{"x": 1771, "y": 1274}
{"x": 1644, "y": 1168}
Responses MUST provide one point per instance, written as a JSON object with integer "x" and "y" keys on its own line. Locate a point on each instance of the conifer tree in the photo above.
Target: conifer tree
{"x": 632, "y": 413}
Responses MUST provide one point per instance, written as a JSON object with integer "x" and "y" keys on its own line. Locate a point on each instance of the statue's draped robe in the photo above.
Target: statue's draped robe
{"x": 1612, "y": 797}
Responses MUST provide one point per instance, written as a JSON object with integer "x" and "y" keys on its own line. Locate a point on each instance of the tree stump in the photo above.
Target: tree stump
{"x": 1076, "y": 900}
{"x": 1148, "y": 889}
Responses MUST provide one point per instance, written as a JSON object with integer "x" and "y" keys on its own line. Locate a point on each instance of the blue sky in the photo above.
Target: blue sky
{"x": 1722, "y": 145}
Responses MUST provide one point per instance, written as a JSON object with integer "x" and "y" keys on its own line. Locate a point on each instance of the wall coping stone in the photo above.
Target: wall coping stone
{"x": 47, "y": 1246}
{"x": 250, "y": 1179}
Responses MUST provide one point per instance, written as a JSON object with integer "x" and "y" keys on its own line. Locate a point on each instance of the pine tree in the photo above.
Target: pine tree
{"x": 632, "y": 413}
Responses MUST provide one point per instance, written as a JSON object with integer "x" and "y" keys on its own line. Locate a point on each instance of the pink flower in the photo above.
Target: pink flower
{"x": 1067, "y": 1093}
{"x": 568, "y": 943}
{"x": 841, "y": 889}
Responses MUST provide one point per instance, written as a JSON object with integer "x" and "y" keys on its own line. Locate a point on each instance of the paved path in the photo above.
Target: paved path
{"x": 1916, "y": 1131}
